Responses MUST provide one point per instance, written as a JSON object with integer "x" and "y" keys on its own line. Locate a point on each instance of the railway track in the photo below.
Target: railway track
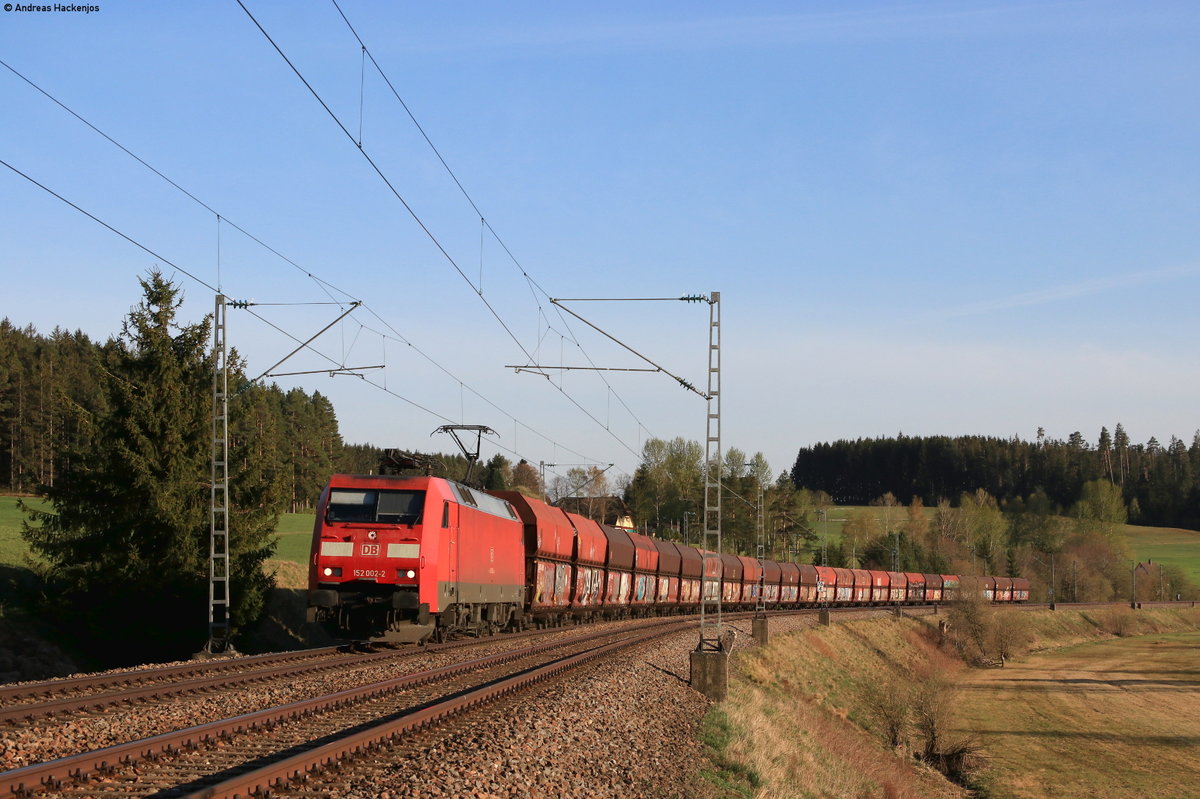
{"x": 199, "y": 755}
{"x": 239, "y": 755}
{"x": 23, "y": 703}
{"x": 95, "y": 693}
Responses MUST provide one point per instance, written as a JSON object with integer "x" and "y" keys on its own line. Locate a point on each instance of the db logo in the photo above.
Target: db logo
{"x": 370, "y": 549}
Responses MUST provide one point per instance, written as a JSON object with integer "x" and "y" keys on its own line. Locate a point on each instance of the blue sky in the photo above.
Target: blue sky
{"x": 934, "y": 218}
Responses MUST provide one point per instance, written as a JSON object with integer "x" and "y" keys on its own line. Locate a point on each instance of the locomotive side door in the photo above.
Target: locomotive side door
{"x": 452, "y": 554}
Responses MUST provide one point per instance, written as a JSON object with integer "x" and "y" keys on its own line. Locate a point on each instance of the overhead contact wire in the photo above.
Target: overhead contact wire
{"x": 482, "y": 219}
{"x": 408, "y": 208}
{"x": 97, "y": 219}
{"x": 324, "y": 285}
{"x": 401, "y": 339}
{"x": 416, "y": 218}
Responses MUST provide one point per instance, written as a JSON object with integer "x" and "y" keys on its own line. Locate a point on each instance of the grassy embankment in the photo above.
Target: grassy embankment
{"x": 13, "y": 549}
{"x": 294, "y": 534}
{"x": 836, "y": 711}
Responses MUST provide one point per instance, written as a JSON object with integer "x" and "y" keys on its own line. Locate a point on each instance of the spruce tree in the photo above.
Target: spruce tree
{"x": 126, "y": 538}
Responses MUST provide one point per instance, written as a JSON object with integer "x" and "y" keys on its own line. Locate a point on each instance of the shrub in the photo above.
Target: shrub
{"x": 892, "y": 700}
{"x": 968, "y": 624}
{"x": 1007, "y": 635}
{"x": 958, "y": 757}
{"x": 1120, "y": 621}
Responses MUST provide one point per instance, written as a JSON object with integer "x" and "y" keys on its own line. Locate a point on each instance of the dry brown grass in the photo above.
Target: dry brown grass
{"x": 287, "y": 573}
{"x": 810, "y": 717}
{"x": 1113, "y": 718}
{"x": 1119, "y": 621}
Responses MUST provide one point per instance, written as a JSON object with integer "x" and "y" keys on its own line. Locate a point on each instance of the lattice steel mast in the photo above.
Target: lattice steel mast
{"x": 710, "y": 606}
{"x": 760, "y": 609}
{"x": 220, "y": 627}
{"x": 218, "y": 539}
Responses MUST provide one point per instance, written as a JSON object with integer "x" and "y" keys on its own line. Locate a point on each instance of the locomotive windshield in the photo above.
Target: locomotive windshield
{"x": 382, "y": 506}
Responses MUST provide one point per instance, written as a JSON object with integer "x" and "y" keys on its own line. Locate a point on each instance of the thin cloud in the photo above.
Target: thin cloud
{"x": 1070, "y": 291}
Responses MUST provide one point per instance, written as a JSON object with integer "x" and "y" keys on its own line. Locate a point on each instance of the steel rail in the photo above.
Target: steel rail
{"x": 51, "y": 687}
{"x": 167, "y": 690}
{"x": 157, "y": 683}
{"x": 54, "y": 773}
{"x": 299, "y": 766}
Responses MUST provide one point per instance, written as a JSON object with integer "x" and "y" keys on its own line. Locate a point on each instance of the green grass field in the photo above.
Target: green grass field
{"x": 295, "y": 537}
{"x": 838, "y": 516}
{"x": 294, "y": 533}
{"x": 1168, "y": 546}
{"x": 13, "y": 549}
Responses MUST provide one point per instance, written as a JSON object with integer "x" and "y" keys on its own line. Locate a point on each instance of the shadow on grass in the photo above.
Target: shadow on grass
{"x": 1106, "y": 737}
{"x": 1051, "y": 685}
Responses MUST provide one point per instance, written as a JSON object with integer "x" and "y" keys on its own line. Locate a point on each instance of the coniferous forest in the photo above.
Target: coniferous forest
{"x": 51, "y": 385}
{"x": 1160, "y": 484}
{"x": 117, "y": 436}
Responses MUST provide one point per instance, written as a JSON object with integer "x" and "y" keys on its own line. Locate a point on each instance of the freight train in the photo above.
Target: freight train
{"x": 409, "y": 559}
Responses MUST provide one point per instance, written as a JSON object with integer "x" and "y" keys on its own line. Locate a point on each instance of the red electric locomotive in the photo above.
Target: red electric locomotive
{"x": 406, "y": 558}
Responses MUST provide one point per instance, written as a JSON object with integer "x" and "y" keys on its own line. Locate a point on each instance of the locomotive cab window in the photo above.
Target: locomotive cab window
{"x": 400, "y": 507}
{"x": 375, "y": 506}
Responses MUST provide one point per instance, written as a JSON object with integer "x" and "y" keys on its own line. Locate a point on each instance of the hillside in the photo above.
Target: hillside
{"x": 855, "y": 709}
{"x": 1167, "y": 545}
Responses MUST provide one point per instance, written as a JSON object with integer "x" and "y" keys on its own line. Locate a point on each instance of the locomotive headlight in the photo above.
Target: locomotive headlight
{"x": 328, "y": 572}
{"x": 410, "y": 574}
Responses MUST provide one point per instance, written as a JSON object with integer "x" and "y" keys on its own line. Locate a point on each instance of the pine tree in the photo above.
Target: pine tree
{"x": 1121, "y": 444}
{"x": 1105, "y": 446}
